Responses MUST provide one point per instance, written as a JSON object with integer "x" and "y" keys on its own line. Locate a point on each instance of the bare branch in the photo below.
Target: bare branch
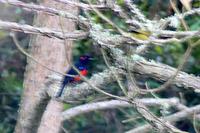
{"x": 137, "y": 13}
{"x": 176, "y": 34}
{"x": 39, "y": 8}
{"x": 42, "y": 31}
{"x": 73, "y": 112}
{"x": 82, "y": 5}
{"x": 185, "y": 114}
{"x": 107, "y": 39}
{"x": 158, "y": 71}
{"x": 72, "y": 93}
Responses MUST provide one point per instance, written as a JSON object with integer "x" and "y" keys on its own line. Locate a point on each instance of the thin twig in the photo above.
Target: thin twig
{"x": 32, "y": 58}
{"x": 114, "y": 73}
{"x": 84, "y": 78}
{"x": 194, "y": 123}
{"x": 185, "y": 56}
{"x": 181, "y": 115}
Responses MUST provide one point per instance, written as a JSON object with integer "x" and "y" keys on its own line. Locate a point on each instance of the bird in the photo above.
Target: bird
{"x": 82, "y": 66}
{"x": 140, "y": 34}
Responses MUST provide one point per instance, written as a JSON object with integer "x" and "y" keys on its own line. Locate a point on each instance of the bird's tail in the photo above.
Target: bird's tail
{"x": 60, "y": 91}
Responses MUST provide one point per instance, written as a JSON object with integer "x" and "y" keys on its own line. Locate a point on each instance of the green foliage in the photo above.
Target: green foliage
{"x": 152, "y": 84}
{"x": 10, "y": 89}
{"x": 120, "y": 3}
{"x": 2, "y": 34}
{"x": 195, "y": 24}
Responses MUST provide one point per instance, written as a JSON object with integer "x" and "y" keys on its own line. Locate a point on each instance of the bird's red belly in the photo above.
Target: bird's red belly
{"x": 83, "y": 73}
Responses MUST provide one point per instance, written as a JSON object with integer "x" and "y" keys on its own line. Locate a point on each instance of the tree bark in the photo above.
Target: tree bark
{"x": 51, "y": 52}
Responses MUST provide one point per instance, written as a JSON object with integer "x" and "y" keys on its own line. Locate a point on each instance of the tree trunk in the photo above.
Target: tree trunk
{"x": 51, "y": 52}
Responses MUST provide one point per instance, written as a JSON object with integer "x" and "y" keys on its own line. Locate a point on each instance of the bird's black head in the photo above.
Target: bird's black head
{"x": 85, "y": 59}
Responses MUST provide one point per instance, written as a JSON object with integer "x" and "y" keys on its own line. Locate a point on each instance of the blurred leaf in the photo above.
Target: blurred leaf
{"x": 153, "y": 84}
{"x": 196, "y": 3}
{"x": 196, "y": 24}
{"x": 120, "y": 2}
{"x": 3, "y": 34}
{"x": 158, "y": 49}
{"x": 18, "y": 11}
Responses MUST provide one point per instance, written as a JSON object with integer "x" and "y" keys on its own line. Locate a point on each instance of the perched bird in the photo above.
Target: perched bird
{"x": 82, "y": 66}
{"x": 140, "y": 34}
